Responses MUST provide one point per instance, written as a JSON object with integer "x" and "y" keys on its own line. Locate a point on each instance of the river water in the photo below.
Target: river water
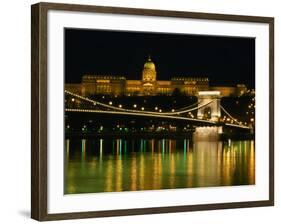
{"x": 114, "y": 165}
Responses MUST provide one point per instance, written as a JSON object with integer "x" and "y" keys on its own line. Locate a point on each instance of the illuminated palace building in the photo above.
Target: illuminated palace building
{"x": 149, "y": 85}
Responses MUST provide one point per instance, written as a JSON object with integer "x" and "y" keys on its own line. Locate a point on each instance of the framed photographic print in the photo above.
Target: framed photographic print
{"x": 138, "y": 111}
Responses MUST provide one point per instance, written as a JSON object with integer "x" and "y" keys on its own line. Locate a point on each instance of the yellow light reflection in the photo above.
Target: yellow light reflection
{"x": 251, "y": 166}
{"x": 119, "y": 175}
{"x": 141, "y": 172}
{"x": 109, "y": 176}
{"x": 134, "y": 173}
{"x": 172, "y": 171}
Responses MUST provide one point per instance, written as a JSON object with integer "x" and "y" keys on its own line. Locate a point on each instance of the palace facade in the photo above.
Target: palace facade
{"x": 149, "y": 85}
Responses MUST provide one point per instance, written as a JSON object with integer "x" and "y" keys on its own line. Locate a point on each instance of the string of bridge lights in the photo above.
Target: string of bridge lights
{"x": 119, "y": 108}
{"x": 142, "y": 112}
{"x": 234, "y": 120}
{"x": 139, "y": 114}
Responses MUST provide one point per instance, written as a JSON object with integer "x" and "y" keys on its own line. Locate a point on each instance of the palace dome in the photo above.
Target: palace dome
{"x": 149, "y": 71}
{"x": 149, "y": 64}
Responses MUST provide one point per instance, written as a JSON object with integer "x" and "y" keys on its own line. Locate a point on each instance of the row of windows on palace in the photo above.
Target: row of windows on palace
{"x": 118, "y": 85}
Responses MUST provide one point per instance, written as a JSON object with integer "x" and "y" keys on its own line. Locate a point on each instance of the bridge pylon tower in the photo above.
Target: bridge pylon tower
{"x": 212, "y": 109}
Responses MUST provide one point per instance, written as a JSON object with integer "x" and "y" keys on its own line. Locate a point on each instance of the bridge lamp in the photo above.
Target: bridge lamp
{"x": 142, "y": 108}
{"x": 160, "y": 110}
{"x": 120, "y": 106}
{"x": 135, "y": 105}
{"x": 72, "y": 99}
{"x": 173, "y": 110}
{"x": 156, "y": 108}
{"x": 110, "y": 103}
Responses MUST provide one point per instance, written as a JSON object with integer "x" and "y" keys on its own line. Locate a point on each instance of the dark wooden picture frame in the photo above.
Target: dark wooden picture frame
{"x": 39, "y": 148}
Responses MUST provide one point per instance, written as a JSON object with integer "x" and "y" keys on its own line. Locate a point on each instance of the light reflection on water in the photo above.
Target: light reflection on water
{"x": 106, "y": 165}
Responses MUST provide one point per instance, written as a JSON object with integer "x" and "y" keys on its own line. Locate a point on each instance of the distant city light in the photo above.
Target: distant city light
{"x": 135, "y": 105}
{"x": 156, "y": 108}
{"x": 110, "y": 102}
{"x": 72, "y": 99}
{"x": 142, "y": 108}
{"x": 120, "y": 106}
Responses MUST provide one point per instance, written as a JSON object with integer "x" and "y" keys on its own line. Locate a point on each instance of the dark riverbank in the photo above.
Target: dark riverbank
{"x": 128, "y": 135}
{"x": 156, "y": 135}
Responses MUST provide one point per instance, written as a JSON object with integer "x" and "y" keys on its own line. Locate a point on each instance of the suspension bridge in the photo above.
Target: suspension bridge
{"x": 208, "y": 102}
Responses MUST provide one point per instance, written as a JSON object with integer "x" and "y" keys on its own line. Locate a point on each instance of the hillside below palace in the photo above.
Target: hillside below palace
{"x": 118, "y": 85}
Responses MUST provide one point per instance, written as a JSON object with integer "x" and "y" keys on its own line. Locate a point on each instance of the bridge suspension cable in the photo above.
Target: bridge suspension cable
{"x": 141, "y": 114}
{"x": 190, "y": 106}
{"x": 151, "y": 113}
{"x": 235, "y": 120}
{"x": 177, "y": 112}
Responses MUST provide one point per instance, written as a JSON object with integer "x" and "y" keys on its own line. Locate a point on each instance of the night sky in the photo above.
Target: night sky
{"x": 226, "y": 61}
